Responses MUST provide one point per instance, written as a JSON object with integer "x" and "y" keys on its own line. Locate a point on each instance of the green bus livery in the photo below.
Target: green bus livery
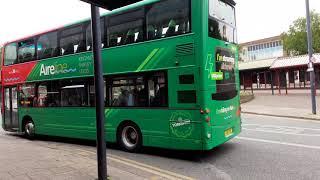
{"x": 170, "y": 75}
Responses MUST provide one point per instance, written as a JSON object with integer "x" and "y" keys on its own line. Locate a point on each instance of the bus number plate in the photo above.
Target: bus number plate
{"x": 228, "y": 132}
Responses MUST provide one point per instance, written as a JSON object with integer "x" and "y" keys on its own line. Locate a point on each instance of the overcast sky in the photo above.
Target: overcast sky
{"x": 255, "y": 18}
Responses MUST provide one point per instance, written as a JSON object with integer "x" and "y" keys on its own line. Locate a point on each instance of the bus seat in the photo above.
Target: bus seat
{"x": 20, "y": 57}
{"x": 140, "y": 37}
{"x": 81, "y": 47}
{"x": 171, "y": 28}
{"x": 69, "y": 49}
{"x": 56, "y": 52}
{"x": 151, "y": 32}
{"x": 47, "y": 53}
{"x": 27, "y": 56}
{"x": 159, "y": 32}
{"x": 182, "y": 28}
{"x": 129, "y": 37}
{"x": 113, "y": 40}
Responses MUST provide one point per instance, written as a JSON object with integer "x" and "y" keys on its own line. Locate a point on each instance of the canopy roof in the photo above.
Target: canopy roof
{"x": 111, "y": 4}
{"x": 256, "y": 64}
{"x": 295, "y": 61}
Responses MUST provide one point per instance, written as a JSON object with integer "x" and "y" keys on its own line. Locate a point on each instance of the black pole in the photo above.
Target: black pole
{"x": 101, "y": 143}
{"x": 272, "y": 83}
{"x": 311, "y": 68}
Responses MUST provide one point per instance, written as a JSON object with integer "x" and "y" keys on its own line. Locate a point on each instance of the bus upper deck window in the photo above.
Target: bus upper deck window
{"x": 10, "y": 56}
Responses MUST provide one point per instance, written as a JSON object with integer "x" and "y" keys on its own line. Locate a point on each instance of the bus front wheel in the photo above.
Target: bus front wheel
{"x": 130, "y": 137}
{"x": 29, "y": 130}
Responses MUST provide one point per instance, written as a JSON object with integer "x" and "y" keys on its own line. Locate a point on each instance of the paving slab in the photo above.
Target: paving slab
{"x": 297, "y": 104}
{"x": 22, "y": 159}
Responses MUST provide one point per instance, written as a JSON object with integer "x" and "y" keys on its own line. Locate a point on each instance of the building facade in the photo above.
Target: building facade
{"x": 261, "y": 49}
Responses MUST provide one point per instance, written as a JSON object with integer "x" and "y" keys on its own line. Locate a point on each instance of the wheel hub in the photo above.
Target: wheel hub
{"x": 129, "y": 136}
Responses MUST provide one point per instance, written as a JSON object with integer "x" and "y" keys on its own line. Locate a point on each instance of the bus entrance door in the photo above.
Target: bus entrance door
{"x": 11, "y": 121}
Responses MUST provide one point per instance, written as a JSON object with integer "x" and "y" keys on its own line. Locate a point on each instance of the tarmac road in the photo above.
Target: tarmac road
{"x": 267, "y": 148}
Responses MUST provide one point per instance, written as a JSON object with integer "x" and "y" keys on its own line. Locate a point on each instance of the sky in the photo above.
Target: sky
{"x": 256, "y": 19}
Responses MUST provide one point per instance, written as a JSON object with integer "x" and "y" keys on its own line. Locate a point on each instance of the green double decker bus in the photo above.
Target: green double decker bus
{"x": 170, "y": 75}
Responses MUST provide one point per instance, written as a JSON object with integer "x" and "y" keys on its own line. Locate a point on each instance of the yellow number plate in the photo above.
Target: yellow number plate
{"x": 228, "y": 132}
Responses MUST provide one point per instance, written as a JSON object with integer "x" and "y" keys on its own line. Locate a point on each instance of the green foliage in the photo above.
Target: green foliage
{"x": 295, "y": 40}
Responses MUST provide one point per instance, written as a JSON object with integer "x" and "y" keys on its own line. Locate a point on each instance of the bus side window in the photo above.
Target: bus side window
{"x": 46, "y": 45}
{"x": 27, "y": 96}
{"x": 26, "y": 50}
{"x": 158, "y": 90}
{"x": 49, "y": 94}
{"x": 71, "y": 39}
{"x": 87, "y": 43}
{"x": 126, "y": 28}
{"x": 10, "y": 54}
{"x": 168, "y": 16}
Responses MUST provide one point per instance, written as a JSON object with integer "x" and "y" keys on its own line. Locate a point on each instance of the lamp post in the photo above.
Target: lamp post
{"x": 310, "y": 65}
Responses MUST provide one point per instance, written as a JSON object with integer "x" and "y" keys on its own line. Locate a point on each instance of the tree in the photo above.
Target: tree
{"x": 295, "y": 40}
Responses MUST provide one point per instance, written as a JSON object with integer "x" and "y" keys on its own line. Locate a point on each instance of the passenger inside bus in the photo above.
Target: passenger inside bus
{"x": 171, "y": 28}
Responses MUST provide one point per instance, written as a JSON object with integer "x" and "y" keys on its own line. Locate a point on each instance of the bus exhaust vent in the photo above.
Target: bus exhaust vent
{"x": 184, "y": 49}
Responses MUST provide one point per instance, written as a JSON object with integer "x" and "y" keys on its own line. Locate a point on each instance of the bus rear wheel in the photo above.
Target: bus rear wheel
{"x": 130, "y": 137}
{"x": 29, "y": 130}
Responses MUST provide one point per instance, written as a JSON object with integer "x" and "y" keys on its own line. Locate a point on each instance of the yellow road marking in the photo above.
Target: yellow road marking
{"x": 147, "y": 168}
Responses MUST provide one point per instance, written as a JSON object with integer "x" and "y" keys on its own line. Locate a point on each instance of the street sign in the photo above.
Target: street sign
{"x": 310, "y": 67}
{"x": 111, "y": 4}
{"x": 313, "y": 59}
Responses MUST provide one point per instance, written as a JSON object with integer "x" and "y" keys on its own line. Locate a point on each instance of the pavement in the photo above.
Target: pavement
{"x": 42, "y": 159}
{"x": 297, "y": 104}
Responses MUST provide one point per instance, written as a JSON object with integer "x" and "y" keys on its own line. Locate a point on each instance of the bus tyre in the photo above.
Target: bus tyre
{"x": 29, "y": 130}
{"x": 130, "y": 137}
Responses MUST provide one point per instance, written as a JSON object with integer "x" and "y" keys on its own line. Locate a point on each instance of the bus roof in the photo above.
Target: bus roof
{"x": 119, "y": 10}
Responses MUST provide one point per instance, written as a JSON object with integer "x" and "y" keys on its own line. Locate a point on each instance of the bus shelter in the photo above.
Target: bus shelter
{"x": 285, "y": 73}
{"x": 256, "y": 74}
{"x": 291, "y": 72}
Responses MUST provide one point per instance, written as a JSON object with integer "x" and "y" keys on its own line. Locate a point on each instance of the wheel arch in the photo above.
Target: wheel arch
{"x": 25, "y": 119}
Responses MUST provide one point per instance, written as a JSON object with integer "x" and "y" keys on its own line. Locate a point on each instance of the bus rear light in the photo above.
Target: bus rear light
{"x": 239, "y": 112}
{"x": 206, "y": 111}
{"x": 208, "y": 119}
